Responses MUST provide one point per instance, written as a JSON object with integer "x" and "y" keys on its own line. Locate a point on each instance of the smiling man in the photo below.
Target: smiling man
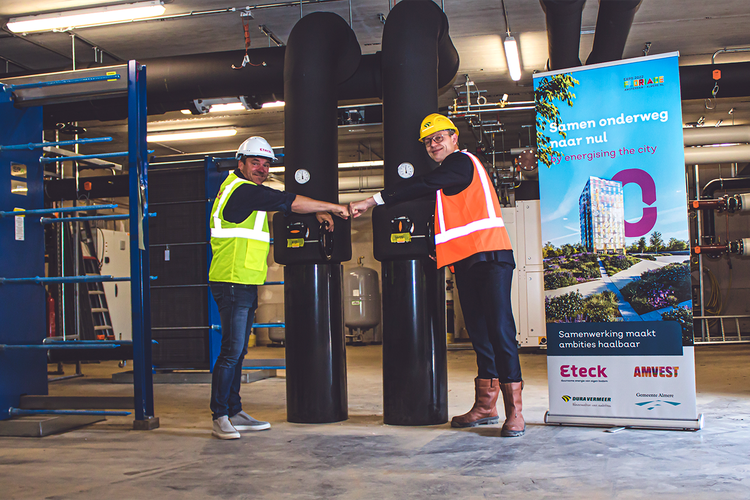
{"x": 470, "y": 236}
{"x": 240, "y": 242}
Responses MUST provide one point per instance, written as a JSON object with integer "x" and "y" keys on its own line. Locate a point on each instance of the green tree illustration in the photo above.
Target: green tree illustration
{"x": 551, "y": 88}
{"x": 656, "y": 242}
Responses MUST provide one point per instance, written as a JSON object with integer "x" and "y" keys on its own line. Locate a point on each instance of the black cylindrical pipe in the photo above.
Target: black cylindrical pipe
{"x": 315, "y": 344}
{"x": 174, "y": 82}
{"x": 415, "y": 46}
{"x": 563, "y": 32}
{"x": 322, "y": 52}
{"x": 415, "y": 375}
{"x": 697, "y": 82}
{"x": 613, "y": 24}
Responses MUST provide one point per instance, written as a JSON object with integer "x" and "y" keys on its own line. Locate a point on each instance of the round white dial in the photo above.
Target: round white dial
{"x": 405, "y": 170}
{"x": 301, "y": 176}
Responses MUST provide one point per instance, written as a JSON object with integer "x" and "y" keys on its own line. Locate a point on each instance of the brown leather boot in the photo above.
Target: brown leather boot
{"x": 484, "y": 411}
{"x": 514, "y": 425}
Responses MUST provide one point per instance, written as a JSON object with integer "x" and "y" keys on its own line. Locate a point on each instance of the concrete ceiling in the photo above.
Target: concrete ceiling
{"x": 695, "y": 28}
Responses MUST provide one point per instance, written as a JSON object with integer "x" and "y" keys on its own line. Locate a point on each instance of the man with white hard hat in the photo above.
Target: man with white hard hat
{"x": 470, "y": 236}
{"x": 240, "y": 241}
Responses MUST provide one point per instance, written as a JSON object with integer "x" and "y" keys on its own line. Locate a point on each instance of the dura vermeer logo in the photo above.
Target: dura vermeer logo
{"x": 642, "y": 81}
{"x": 588, "y": 399}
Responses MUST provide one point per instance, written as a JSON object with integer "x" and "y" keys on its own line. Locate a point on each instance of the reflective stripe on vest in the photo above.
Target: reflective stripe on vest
{"x": 257, "y": 233}
{"x": 491, "y": 221}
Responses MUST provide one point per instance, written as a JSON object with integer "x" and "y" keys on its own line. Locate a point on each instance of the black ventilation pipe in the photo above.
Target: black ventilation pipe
{"x": 613, "y": 22}
{"x": 563, "y": 32}
{"x": 174, "y": 82}
{"x": 697, "y": 82}
{"x": 418, "y": 59}
{"x": 322, "y": 51}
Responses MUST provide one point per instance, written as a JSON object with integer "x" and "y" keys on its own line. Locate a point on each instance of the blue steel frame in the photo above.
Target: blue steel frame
{"x": 143, "y": 387}
{"x": 25, "y": 372}
{"x": 214, "y": 178}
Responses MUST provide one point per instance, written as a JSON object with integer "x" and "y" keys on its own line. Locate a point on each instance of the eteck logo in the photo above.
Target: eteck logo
{"x": 566, "y": 398}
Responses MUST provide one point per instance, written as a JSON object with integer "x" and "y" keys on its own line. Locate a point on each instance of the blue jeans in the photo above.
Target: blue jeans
{"x": 484, "y": 291}
{"x": 237, "y": 304}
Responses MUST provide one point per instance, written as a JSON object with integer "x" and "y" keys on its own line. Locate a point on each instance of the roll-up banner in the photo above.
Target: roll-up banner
{"x": 616, "y": 245}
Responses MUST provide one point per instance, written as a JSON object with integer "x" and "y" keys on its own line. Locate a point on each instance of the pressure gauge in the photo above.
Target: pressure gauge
{"x": 405, "y": 170}
{"x": 301, "y": 176}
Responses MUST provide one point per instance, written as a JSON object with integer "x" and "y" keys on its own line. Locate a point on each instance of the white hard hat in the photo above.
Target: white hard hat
{"x": 255, "y": 146}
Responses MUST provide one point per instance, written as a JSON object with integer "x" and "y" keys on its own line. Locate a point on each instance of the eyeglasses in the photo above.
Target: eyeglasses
{"x": 436, "y": 139}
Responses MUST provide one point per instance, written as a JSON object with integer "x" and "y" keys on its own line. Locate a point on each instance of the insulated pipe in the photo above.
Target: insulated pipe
{"x": 322, "y": 51}
{"x": 717, "y": 154}
{"x": 613, "y": 22}
{"x": 700, "y": 136}
{"x": 174, "y": 82}
{"x": 416, "y": 46}
{"x": 563, "y": 32}
{"x": 697, "y": 82}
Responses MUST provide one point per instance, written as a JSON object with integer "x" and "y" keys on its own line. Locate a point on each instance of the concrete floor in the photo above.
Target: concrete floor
{"x": 363, "y": 459}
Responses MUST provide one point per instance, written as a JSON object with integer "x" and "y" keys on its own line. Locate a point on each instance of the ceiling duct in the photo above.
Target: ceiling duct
{"x": 173, "y": 83}
{"x": 613, "y": 24}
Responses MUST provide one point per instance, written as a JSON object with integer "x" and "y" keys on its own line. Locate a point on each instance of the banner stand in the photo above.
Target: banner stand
{"x": 630, "y": 423}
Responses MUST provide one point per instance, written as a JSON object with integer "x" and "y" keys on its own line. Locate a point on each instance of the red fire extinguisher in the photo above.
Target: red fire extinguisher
{"x": 51, "y": 328}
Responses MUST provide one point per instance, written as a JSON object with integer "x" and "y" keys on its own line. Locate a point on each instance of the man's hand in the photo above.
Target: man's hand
{"x": 325, "y": 217}
{"x": 341, "y": 210}
{"x": 357, "y": 208}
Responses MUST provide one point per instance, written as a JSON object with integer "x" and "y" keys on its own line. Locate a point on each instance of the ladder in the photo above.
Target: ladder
{"x": 99, "y": 311}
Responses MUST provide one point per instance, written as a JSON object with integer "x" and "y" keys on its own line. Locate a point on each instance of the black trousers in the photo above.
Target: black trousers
{"x": 484, "y": 291}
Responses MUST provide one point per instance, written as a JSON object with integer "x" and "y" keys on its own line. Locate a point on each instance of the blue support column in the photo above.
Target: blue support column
{"x": 22, "y": 248}
{"x": 139, "y": 259}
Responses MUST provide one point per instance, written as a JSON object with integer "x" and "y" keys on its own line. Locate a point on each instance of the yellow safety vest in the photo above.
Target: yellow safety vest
{"x": 239, "y": 250}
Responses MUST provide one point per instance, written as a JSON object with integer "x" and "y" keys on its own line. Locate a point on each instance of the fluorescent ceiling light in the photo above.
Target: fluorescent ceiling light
{"x": 189, "y": 135}
{"x": 106, "y": 14}
{"x": 511, "y": 56}
{"x": 275, "y": 104}
{"x": 356, "y": 164}
{"x": 186, "y": 112}
{"x": 229, "y": 106}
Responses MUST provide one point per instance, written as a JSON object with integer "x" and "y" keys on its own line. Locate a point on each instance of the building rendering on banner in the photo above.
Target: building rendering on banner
{"x": 602, "y": 216}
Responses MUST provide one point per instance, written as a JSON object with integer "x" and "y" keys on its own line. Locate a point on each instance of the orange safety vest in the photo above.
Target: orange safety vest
{"x": 469, "y": 222}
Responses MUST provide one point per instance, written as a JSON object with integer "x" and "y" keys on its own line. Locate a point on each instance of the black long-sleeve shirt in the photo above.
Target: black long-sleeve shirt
{"x": 453, "y": 175}
{"x": 248, "y": 198}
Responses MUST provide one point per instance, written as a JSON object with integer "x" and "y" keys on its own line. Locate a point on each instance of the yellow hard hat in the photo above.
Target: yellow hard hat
{"x": 435, "y": 123}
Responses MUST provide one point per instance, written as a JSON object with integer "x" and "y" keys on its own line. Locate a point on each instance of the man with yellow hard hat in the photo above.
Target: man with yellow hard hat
{"x": 470, "y": 236}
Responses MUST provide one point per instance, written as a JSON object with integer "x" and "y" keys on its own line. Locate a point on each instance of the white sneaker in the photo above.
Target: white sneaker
{"x": 223, "y": 429}
{"x": 244, "y": 422}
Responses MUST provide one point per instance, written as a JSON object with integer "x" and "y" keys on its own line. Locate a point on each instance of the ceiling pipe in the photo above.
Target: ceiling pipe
{"x": 563, "y": 32}
{"x": 174, "y": 82}
{"x": 697, "y": 82}
{"x": 700, "y": 136}
{"x": 717, "y": 154}
{"x": 613, "y": 22}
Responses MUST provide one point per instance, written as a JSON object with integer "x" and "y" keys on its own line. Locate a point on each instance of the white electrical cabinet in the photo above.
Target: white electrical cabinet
{"x": 115, "y": 261}
{"x": 524, "y": 226}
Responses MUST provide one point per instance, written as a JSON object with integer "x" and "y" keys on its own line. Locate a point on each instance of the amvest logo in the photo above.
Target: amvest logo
{"x": 656, "y": 371}
{"x": 597, "y": 371}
